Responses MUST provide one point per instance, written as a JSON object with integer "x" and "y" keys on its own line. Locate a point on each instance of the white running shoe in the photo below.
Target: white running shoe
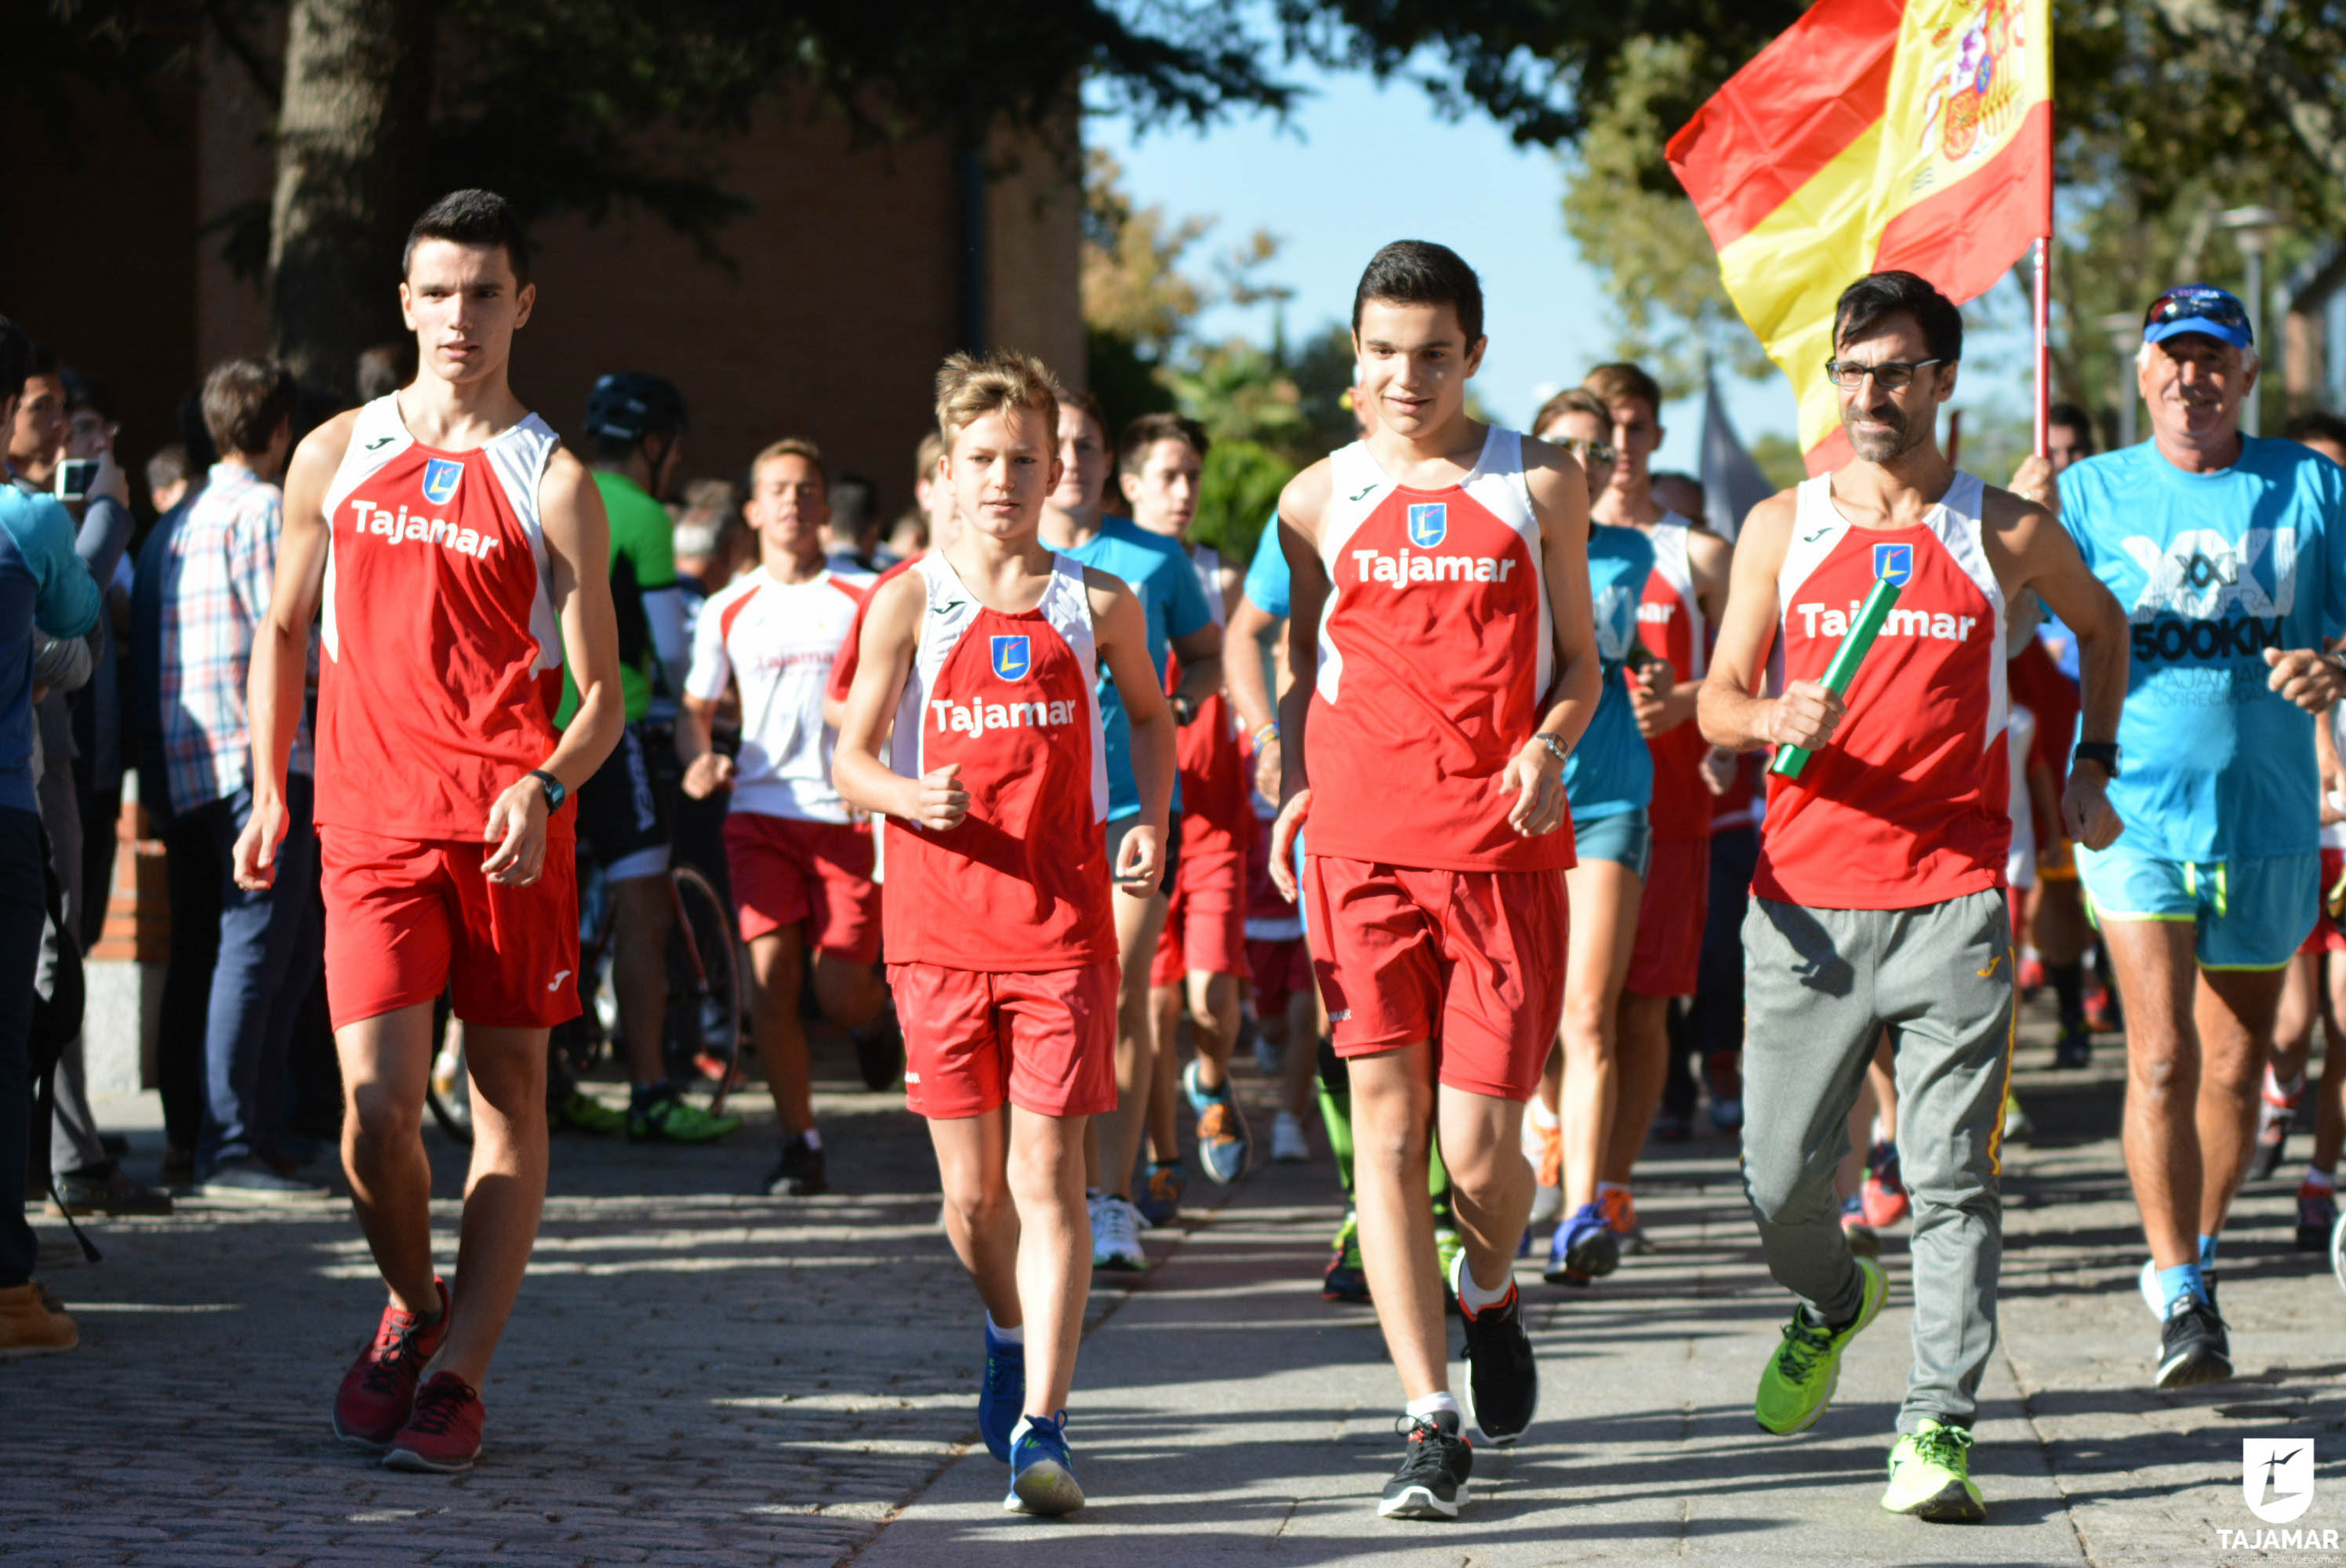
{"x": 1547, "y": 1202}
{"x": 2337, "y": 1250}
{"x": 1116, "y": 1235}
{"x": 1287, "y": 1145}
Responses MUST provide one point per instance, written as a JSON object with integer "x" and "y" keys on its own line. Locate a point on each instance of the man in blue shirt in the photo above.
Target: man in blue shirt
{"x": 2230, "y": 552}
{"x": 1178, "y": 619}
{"x": 43, "y": 584}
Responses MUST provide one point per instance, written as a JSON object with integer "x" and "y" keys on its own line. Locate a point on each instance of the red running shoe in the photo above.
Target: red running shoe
{"x": 443, "y": 1435}
{"x": 379, "y": 1390}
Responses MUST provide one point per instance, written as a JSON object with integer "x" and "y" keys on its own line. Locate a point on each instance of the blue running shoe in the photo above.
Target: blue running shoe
{"x": 1159, "y": 1202}
{"x": 1003, "y": 1393}
{"x": 1584, "y": 1247}
{"x": 1224, "y": 1142}
{"x": 1042, "y": 1472}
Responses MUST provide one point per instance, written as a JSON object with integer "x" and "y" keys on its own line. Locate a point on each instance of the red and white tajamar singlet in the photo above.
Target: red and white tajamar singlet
{"x": 1020, "y": 884}
{"x": 1907, "y": 806}
{"x": 442, "y": 654}
{"x": 1217, "y": 796}
{"x": 1671, "y": 625}
{"x": 1436, "y": 649}
{"x": 779, "y": 641}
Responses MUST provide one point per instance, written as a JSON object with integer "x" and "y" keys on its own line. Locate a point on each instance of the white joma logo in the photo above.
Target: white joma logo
{"x": 559, "y": 976}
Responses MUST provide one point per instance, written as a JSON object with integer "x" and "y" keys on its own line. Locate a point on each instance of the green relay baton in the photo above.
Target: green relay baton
{"x": 1854, "y": 644}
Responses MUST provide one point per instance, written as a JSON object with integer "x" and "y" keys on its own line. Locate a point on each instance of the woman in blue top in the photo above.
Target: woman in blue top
{"x": 1609, "y": 781}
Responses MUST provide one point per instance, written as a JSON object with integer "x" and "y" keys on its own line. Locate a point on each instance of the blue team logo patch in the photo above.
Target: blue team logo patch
{"x": 1429, "y": 523}
{"x": 1894, "y": 564}
{"x": 1012, "y": 658}
{"x": 440, "y": 477}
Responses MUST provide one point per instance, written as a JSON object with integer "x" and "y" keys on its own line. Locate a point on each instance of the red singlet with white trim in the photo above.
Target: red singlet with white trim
{"x": 1671, "y": 624}
{"x": 1908, "y": 805}
{"x": 443, "y": 656}
{"x": 1436, "y": 648}
{"x": 1021, "y": 882}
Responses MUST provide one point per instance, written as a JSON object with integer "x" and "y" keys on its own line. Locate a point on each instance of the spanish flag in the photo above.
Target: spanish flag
{"x": 1872, "y": 136}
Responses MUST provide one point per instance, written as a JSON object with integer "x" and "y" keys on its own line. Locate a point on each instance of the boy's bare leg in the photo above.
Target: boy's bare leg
{"x": 1054, "y": 1249}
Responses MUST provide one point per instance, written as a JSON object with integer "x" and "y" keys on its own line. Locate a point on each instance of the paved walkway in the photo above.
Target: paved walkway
{"x": 700, "y": 1378}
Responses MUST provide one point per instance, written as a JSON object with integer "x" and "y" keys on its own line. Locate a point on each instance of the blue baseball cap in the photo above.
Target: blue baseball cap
{"x": 2199, "y": 308}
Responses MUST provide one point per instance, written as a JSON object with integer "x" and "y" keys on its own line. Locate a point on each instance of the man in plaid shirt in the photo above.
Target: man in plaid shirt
{"x": 216, "y": 577}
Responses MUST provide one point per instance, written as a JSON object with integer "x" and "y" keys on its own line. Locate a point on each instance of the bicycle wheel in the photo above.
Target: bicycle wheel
{"x": 704, "y": 991}
{"x": 448, "y": 1092}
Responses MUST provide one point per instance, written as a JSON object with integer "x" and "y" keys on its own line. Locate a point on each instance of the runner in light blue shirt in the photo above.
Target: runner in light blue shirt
{"x": 2229, "y": 554}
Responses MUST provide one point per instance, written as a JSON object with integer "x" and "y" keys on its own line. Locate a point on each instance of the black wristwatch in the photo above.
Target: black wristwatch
{"x": 554, "y": 793}
{"x": 2105, "y": 752}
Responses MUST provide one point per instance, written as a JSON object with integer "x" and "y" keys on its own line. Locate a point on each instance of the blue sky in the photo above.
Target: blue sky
{"x": 1358, "y": 165}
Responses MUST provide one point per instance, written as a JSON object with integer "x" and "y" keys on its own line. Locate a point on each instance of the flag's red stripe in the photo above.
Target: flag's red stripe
{"x": 1780, "y": 119}
{"x": 1831, "y": 450}
{"x": 1968, "y": 234}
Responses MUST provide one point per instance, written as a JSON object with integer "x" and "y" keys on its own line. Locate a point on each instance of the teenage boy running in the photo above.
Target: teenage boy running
{"x": 1442, "y": 653}
{"x": 1160, "y": 466}
{"x": 981, "y": 666}
{"x": 800, "y": 866}
{"x": 458, "y": 558}
{"x": 1180, "y": 625}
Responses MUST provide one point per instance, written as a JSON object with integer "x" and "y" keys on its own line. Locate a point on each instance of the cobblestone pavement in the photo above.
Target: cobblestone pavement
{"x": 696, "y": 1376}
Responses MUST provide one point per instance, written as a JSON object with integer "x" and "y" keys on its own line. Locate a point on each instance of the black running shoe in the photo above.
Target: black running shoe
{"x": 1502, "y": 1376}
{"x": 798, "y": 1174}
{"x": 880, "y": 1050}
{"x": 2192, "y": 1348}
{"x": 1432, "y": 1481}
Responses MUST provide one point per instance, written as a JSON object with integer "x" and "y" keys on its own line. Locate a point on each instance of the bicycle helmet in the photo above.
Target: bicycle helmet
{"x": 629, "y": 405}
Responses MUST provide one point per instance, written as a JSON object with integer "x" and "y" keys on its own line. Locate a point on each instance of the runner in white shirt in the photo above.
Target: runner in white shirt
{"x": 800, "y": 862}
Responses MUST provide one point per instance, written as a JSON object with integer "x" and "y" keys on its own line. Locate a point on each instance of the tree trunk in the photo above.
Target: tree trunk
{"x": 351, "y": 136}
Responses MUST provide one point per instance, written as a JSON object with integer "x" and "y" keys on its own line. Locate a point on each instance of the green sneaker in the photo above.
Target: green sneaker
{"x": 1447, "y": 1248}
{"x": 1800, "y": 1377}
{"x": 1346, "y": 1279}
{"x": 584, "y": 1112}
{"x": 669, "y": 1119}
{"x": 1931, "y": 1476}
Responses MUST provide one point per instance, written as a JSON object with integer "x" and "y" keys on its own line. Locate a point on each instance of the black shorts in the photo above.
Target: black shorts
{"x": 622, "y": 821}
{"x": 1125, "y": 824}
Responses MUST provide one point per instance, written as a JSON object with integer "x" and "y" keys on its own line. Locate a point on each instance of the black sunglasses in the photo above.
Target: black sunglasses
{"x": 2197, "y": 305}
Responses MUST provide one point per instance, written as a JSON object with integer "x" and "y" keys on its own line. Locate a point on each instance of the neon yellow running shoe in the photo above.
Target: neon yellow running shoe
{"x": 1448, "y": 1248}
{"x": 589, "y": 1114}
{"x": 1931, "y": 1476}
{"x": 1800, "y": 1377}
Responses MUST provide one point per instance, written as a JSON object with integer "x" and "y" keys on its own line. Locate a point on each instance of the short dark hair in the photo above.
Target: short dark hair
{"x": 2316, "y": 425}
{"x": 1617, "y": 383}
{"x": 2070, "y": 415}
{"x": 1420, "y": 272}
{"x": 1150, "y": 429}
{"x": 1878, "y": 296}
{"x": 87, "y": 392}
{"x": 16, "y": 356}
{"x": 169, "y": 466}
{"x": 385, "y": 367}
{"x": 244, "y": 402}
{"x": 472, "y": 218}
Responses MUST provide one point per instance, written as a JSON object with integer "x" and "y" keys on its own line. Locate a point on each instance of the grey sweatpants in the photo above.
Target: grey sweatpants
{"x": 1819, "y": 987}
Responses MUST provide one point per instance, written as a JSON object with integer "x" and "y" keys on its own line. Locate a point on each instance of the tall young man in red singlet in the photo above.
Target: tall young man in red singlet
{"x": 1444, "y": 663}
{"x": 1684, "y": 599}
{"x": 1879, "y": 902}
{"x": 980, "y": 666}
{"x": 457, "y": 556}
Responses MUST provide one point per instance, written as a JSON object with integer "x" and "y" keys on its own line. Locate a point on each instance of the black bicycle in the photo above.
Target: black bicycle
{"x": 701, "y": 1040}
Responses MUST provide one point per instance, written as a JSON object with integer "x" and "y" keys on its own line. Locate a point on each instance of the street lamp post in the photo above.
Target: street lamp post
{"x": 2124, "y": 329}
{"x": 2254, "y": 229}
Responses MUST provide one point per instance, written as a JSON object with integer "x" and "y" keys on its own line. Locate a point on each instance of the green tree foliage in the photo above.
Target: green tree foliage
{"x": 1779, "y": 457}
{"x": 1240, "y": 490}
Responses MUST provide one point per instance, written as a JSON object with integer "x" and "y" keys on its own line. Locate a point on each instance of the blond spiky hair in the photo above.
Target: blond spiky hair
{"x": 971, "y": 386}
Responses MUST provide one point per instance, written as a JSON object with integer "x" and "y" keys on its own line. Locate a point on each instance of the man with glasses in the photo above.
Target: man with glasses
{"x": 2230, "y": 554}
{"x": 1879, "y": 899}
